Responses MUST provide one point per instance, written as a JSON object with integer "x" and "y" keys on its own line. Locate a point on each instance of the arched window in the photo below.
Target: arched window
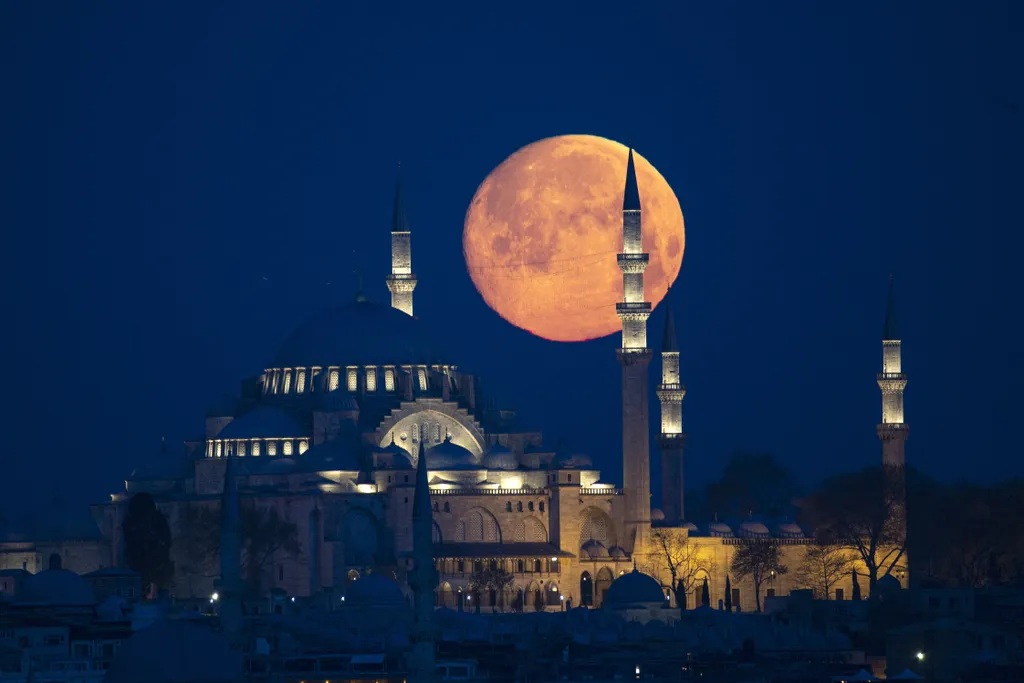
{"x": 271, "y": 448}
{"x": 287, "y": 447}
{"x": 435, "y": 506}
{"x": 447, "y": 508}
{"x": 352, "y": 381}
{"x": 304, "y": 446}
{"x": 332, "y": 380}
{"x": 536, "y": 565}
{"x": 423, "y": 379}
{"x": 389, "y": 379}
{"x": 542, "y": 506}
{"x": 529, "y": 506}
{"x": 287, "y": 381}
{"x": 521, "y": 566}
{"x": 508, "y": 506}
{"x": 220, "y": 449}
{"x": 300, "y": 382}
{"x": 241, "y": 448}
{"x": 255, "y": 447}
{"x": 570, "y": 477}
{"x": 519, "y": 506}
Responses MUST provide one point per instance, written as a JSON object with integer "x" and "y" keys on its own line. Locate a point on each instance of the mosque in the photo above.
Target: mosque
{"x": 331, "y": 433}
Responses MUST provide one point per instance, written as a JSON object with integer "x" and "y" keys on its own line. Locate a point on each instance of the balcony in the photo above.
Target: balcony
{"x": 588, "y": 491}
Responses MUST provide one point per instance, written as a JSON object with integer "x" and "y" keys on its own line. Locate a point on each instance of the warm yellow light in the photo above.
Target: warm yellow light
{"x": 215, "y": 596}
{"x": 920, "y": 655}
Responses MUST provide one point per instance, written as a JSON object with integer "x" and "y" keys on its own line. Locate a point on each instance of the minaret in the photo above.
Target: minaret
{"x": 634, "y": 356}
{"x": 892, "y": 431}
{"x": 401, "y": 282}
{"x": 672, "y": 438}
{"x": 423, "y": 578}
{"x": 230, "y": 593}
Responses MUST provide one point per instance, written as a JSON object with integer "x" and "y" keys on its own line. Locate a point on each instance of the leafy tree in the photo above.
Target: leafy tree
{"x": 672, "y": 551}
{"x": 823, "y": 566}
{"x": 759, "y": 561}
{"x": 147, "y": 542}
{"x": 728, "y": 594}
{"x": 752, "y": 483}
{"x": 862, "y": 511}
{"x": 487, "y": 579}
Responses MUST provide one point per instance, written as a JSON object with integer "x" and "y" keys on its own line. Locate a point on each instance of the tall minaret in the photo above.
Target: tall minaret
{"x": 672, "y": 438}
{"x": 892, "y": 431}
{"x": 401, "y": 282}
{"x": 423, "y": 578}
{"x": 230, "y": 593}
{"x": 634, "y": 356}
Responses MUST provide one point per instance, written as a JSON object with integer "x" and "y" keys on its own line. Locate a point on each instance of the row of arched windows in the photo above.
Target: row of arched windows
{"x": 285, "y": 381}
{"x": 223, "y": 448}
{"x": 519, "y": 506}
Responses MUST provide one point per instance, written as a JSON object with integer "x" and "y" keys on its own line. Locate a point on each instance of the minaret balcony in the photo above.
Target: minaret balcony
{"x": 640, "y": 310}
{"x": 633, "y": 263}
{"x": 671, "y": 393}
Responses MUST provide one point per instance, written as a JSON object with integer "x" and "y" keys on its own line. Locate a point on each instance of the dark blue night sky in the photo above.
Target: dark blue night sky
{"x": 161, "y": 159}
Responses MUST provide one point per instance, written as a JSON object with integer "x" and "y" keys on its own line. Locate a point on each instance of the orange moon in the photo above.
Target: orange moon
{"x": 543, "y": 230}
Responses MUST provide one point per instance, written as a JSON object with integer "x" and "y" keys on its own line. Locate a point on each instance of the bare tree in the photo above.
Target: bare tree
{"x": 760, "y": 561}
{"x": 823, "y": 566}
{"x": 487, "y": 579}
{"x": 672, "y": 551}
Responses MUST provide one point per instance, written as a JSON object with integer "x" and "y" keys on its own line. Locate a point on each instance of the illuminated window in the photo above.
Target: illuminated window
{"x": 287, "y": 381}
{"x": 303, "y": 447}
{"x": 371, "y": 378}
{"x": 389, "y": 379}
{"x": 423, "y": 379}
{"x": 220, "y": 449}
{"x": 352, "y": 380}
{"x": 241, "y": 448}
{"x": 209, "y": 449}
{"x": 287, "y": 447}
{"x": 300, "y": 382}
{"x": 271, "y": 448}
{"x": 333, "y": 383}
{"x": 255, "y": 447}
{"x": 314, "y": 377}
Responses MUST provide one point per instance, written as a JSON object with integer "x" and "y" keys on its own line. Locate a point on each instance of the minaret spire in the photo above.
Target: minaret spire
{"x": 634, "y": 356}
{"x": 672, "y": 438}
{"x": 423, "y": 578}
{"x": 402, "y": 281}
{"x": 893, "y": 430}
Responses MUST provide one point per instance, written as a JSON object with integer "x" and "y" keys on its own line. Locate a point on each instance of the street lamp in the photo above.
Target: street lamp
{"x": 920, "y": 656}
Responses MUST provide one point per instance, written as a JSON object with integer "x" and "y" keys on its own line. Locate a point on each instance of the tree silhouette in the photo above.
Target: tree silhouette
{"x": 759, "y": 561}
{"x": 823, "y": 566}
{"x": 147, "y": 542}
{"x": 728, "y": 594}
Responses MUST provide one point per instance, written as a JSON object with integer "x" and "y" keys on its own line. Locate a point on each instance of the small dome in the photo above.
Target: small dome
{"x": 690, "y": 527}
{"x": 57, "y": 587}
{"x": 753, "y": 529}
{"x": 400, "y": 458}
{"x": 657, "y": 515}
{"x": 448, "y": 455}
{"x": 595, "y": 550}
{"x": 789, "y": 530}
{"x": 175, "y": 651}
{"x": 358, "y": 333}
{"x": 330, "y": 456}
{"x": 374, "y": 590}
{"x": 617, "y": 553}
{"x": 634, "y": 590}
{"x": 262, "y": 423}
{"x": 720, "y": 529}
{"x": 499, "y": 457}
{"x": 337, "y": 401}
{"x": 888, "y": 583}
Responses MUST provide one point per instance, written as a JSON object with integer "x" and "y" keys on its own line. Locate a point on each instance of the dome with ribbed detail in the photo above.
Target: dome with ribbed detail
{"x": 262, "y": 423}
{"x": 358, "y": 333}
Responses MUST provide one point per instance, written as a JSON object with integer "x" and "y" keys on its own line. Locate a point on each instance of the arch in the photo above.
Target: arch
{"x": 601, "y": 583}
{"x": 553, "y": 594}
{"x": 359, "y": 533}
{"x": 534, "y": 531}
{"x": 437, "y": 537}
{"x": 478, "y": 526}
{"x": 596, "y": 525}
{"x": 518, "y": 532}
{"x": 586, "y": 590}
{"x": 406, "y": 426}
{"x": 446, "y": 596}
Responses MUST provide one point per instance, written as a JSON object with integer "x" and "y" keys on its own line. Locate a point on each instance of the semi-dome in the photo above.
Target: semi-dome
{"x": 657, "y": 515}
{"x": 449, "y": 455}
{"x": 175, "y": 651}
{"x": 330, "y": 456}
{"x": 751, "y": 528}
{"x": 634, "y": 590}
{"x": 358, "y": 333}
{"x": 374, "y": 590}
{"x": 617, "y": 552}
{"x": 499, "y": 457}
{"x": 595, "y": 550}
{"x": 57, "y": 587}
{"x": 262, "y": 423}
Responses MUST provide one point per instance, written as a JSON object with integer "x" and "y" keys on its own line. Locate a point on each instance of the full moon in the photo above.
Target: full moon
{"x": 544, "y": 227}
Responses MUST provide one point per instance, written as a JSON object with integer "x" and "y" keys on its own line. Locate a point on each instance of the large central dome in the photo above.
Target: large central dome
{"x": 358, "y": 333}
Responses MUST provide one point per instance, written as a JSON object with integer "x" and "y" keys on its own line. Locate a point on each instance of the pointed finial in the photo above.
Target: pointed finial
{"x": 360, "y": 296}
{"x": 669, "y": 344}
{"x": 399, "y": 223}
{"x": 631, "y": 195}
{"x": 890, "y": 332}
{"x": 634, "y": 564}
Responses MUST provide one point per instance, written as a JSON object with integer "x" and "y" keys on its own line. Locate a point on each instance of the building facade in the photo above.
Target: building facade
{"x": 330, "y": 436}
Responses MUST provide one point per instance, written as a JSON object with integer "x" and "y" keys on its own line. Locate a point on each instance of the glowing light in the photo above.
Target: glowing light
{"x": 920, "y": 656}
{"x": 554, "y": 559}
{"x": 215, "y": 596}
{"x": 293, "y": 599}
{"x": 543, "y": 229}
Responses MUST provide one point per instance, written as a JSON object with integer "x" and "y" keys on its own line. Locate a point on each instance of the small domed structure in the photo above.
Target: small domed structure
{"x": 262, "y": 423}
{"x": 888, "y": 584}
{"x": 175, "y": 651}
{"x": 448, "y": 455}
{"x": 719, "y": 529}
{"x": 617, "y": 553}
{"x": 595, "y": 550}
{"x": 396, "y": 456}
{"x": 634, "y": 590}
{"x": 374, "y": 590}
{"x": 657, "y": 515}
{"x": 690, "y": 527}
{"x": 499, "y": 457}
{"x": 789, "y": 530}
{"x": 751, "y": 528}
{"x": 57, "y": 587}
